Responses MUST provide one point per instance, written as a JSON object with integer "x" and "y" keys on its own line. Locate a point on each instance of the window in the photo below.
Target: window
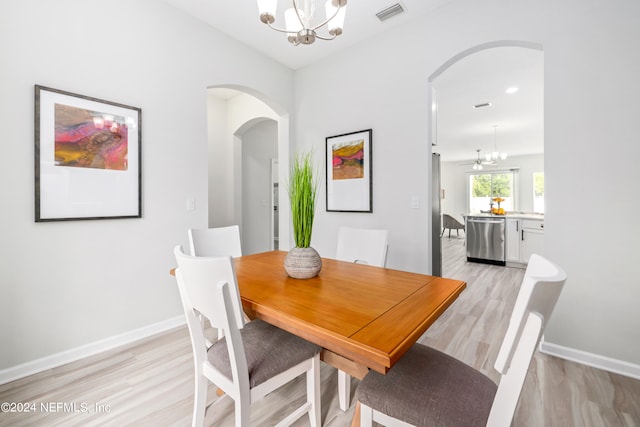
{"x": 538, "y": 192}
{"x": 483, "y": 187}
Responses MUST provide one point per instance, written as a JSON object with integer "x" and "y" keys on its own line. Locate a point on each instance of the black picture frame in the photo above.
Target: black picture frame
{"x": 349, "y": 172}
{"x": 88, "y": 157}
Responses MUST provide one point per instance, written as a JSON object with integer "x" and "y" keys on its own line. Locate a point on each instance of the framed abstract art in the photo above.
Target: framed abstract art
{"x": 87, "y": 158}
{"x": 348, "y": 166}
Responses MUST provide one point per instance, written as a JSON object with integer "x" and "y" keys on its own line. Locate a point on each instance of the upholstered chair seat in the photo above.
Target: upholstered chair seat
{"x": 269, "y": 351}
{"x": 430, "y": 388}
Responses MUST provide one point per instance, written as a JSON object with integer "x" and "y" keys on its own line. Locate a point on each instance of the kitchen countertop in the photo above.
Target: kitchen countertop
{"x": 516, "y": 215}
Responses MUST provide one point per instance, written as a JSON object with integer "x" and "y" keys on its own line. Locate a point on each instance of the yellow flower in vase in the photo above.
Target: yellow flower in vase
{"x": 498, "y": 210}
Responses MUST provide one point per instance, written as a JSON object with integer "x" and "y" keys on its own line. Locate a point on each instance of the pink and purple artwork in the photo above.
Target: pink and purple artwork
{"x": 89, "y": 139}
{"x": 348, "y": 160}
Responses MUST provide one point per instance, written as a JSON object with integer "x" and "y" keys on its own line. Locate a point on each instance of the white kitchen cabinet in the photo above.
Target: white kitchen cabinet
{"x": 512, "y": 240}
{"x": 532, "y": 239}
{"x": 523, "y": 237}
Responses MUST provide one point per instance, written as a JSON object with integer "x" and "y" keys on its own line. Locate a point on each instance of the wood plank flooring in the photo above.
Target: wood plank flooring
{"x": 150, "y": 383}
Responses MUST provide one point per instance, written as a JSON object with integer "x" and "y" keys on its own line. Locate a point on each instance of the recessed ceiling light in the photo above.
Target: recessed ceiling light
{"x": 512, "y": 89}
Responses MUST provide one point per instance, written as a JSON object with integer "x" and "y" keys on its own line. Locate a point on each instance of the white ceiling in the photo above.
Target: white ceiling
{"x": 484, "y": 77}
{"x": 240, "y": 20}
{"x": 478, "y": 78}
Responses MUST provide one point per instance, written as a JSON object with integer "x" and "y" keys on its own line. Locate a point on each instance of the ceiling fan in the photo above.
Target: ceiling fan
{"x": 478, "y": 164}
{"x": 492, "y": 158}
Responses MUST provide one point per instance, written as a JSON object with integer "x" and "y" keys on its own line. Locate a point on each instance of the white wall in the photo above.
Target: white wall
{"x": 591, "y": 90}
{"x": 454, "y": 180}
{"x": 259, "y": 147}
{"x": 66, "y": 284}
{"x": 221, "y": 170}
{"x": 591, "y": 109}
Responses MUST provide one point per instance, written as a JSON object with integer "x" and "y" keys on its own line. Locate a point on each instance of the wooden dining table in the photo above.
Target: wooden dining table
{"x": 363, "y": 317}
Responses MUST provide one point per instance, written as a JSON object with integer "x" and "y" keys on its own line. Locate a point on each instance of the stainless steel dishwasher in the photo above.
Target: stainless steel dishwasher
{"x": 485, "y": 239}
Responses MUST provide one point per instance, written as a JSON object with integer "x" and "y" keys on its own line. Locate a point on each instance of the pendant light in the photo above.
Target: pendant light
{"x": 495, "y": 155}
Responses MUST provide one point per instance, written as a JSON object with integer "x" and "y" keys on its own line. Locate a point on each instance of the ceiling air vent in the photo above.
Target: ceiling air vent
{"x": 485, "y": 104}
{"x": 387, "y": 13}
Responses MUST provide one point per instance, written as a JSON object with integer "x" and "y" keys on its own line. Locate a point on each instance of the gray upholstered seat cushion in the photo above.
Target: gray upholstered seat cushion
{"x": 429, "y": 388}
{"x": 269, "y": 350}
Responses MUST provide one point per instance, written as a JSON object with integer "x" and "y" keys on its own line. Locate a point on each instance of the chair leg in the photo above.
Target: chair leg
{"x": 200, "y": 401}
{"x": 243, "y": 412}
{"x": 344, "y": 390}
{"x": 313, "y": 392}
{"x": 366, "y": 415}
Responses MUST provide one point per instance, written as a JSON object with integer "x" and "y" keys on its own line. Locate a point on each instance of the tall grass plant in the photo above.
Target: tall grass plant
{"x": 303, "y": 187}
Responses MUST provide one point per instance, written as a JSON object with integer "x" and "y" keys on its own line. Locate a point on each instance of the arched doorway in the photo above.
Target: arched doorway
{"x": 236, "y": 114}
{"x": 257, "y": 142}
{"x": 468, "y": 98}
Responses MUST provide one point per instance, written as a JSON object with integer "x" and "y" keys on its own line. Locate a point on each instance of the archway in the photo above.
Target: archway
{"x": 257, "y": 150}
{"x": 517, "y": 57}
{"x": 233, "y": 110}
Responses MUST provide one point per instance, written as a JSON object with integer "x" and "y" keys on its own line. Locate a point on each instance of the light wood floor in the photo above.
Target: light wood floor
{"x": 150, "y": 383}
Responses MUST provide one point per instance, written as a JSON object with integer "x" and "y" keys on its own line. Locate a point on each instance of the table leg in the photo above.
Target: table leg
{"x": 344, "y": 390}
{"x": 346, "y": 369}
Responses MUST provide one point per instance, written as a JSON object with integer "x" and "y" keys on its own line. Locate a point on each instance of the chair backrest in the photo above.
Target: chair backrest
{"x": 539, "y": 292}
{"x": 363, "y": 246}
{"x": 215, "y": 242}
{"x": 199, "y": 278}
{"x": 208, "y": 287}
{"x": 450, "y": 222}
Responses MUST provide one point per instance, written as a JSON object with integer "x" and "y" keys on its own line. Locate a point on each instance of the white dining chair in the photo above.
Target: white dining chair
{"x": 361, "y": 246}
{"x": 214, "y": 242}
{"x": 254, "y": 358}
{"x": 428, "y": 387}
{"x": 218, "y": 241}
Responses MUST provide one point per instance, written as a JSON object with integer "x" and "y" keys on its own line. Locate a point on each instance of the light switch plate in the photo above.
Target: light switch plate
{"x": 415, "y": 202}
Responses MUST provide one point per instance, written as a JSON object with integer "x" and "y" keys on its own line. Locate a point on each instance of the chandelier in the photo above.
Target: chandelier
{"x": 495, "y": 155}
{"x": 298, "y": 19}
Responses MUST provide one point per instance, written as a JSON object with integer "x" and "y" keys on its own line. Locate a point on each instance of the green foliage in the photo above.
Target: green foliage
{"x": 481, "y": 185}
{"x": 538, "y": 184}
{"x": 491, "y": 185}
{"x": 302, "y": 195}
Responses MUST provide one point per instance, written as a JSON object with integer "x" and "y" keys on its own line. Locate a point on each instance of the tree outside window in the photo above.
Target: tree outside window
{"x": 485, "y": 186}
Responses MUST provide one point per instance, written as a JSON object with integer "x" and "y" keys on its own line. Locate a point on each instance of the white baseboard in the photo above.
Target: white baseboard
{"x": 59, "y": 359}
{"x": 590, "y": 359}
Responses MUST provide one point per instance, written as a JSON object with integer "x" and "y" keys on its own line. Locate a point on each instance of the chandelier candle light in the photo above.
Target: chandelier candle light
{"x": 298, "y": 19}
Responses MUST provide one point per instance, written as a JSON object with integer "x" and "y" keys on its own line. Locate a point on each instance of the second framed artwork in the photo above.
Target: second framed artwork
{"x": 349, "y": 183}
